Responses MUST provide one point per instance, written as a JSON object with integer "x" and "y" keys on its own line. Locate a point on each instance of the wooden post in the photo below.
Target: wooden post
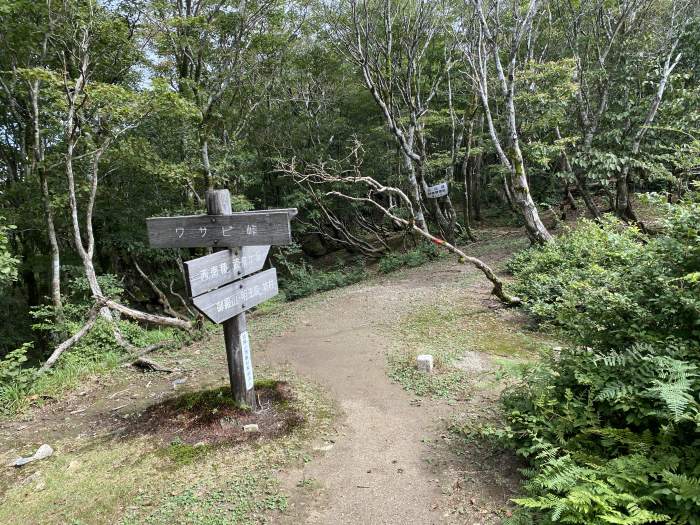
{"x": 235, "y": 329}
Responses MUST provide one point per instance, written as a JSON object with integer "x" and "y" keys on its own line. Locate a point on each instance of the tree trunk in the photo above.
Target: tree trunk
{"x": 53, "y": 243}
{"x": 521, "y": 195}
{"x": 475, "y": 187}
{"x": 38, "y": 167}
{"x": 623, "y": 203}
{"x": 465, "y": 211}
{"x": 414, "y": 190}
{"x": 206, "y": 166}
{"x": 580, "y": 178}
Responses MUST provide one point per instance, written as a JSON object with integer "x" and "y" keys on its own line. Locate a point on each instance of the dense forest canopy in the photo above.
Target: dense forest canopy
{"x": 399, "y": 129}
{"x": 116, "y": 111}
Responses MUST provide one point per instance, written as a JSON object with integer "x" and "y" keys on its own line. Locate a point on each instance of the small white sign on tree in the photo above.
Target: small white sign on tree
{"x": 439, "y": 190}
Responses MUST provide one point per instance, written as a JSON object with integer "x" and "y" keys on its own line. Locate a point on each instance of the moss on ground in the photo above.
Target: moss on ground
{"x": 206, "y": 400}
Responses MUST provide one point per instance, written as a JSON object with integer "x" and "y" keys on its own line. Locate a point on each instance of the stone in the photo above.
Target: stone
{"x": 251, "y": 428}
{"x": 424, "y": 363}
{"x": 43, "y": 452}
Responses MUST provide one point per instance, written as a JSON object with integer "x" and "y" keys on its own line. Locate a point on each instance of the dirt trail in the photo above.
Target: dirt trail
{"x": 385, "y": 466}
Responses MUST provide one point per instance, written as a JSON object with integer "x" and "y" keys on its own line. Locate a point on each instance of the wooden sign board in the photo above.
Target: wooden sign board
{"x": 220, "y": 268}
{"x": 230, "y": 300}
{"x": 439, "y": 190}
{"x": 242, "y": 229}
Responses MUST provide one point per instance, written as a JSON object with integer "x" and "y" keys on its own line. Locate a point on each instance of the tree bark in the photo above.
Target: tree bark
{"x": 513, "y": 160}
{"x": 37, "y": 166}
{"x": 623, "y": 203}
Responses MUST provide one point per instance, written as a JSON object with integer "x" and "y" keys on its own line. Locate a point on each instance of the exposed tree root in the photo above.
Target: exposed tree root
{"x": 65, "y": 345}
{"x": 149, "y": 366}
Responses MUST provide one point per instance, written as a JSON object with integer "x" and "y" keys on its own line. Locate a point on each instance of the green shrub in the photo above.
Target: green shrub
{"x": 416, "y": 257}
{"x": 611, "y": 426}
{"x": 302, "y": 280}
{"x": 611, "y": 286}
{"x": 15, "y": 380}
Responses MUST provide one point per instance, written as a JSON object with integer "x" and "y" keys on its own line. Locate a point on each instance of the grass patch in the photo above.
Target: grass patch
{"x": 243, "y": 499}
{"x": 448, "y": 331}
{"x": 26, "y": 388}
{"x": 429, "y": 330}
{"x": 271, "y": 306}
{"x": 135, "y": 480}
{"x": 206, "y": 400}
{"x": 183, "y": 453}
{"x": 22, "y": 386}
{"x": 87, "y": 487}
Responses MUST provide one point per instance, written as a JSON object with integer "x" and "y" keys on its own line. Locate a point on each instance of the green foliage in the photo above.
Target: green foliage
{"x": 302, "y": 280}
{"x": 8, "y": 263}
{"x": 15, "y": 380}
{"x": 410, "y": 259}
{"x": 612, "y": 427}
{"x": 611, "y": 286}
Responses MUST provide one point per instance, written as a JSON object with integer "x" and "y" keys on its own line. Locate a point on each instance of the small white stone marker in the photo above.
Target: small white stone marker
{"x": 425, "y": 363}
{"x": 251, "y": 428}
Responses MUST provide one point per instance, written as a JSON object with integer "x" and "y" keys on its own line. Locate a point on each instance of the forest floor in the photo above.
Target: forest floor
{"x": 349, "y": 431}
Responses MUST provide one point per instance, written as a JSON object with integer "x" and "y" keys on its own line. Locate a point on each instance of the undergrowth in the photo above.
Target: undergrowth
{"x": 418, "y": 256}
{"x": 611, "y": 425}
{"x": 21, "y": 381}
{"x": 302, "y": 280}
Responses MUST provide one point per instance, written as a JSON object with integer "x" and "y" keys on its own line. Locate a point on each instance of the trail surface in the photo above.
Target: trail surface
{"x": 390, "y": 463}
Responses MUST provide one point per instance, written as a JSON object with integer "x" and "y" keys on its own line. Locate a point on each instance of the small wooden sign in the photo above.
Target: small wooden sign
{"x": 220, "y": 268}
{"x": 439, "y": 190}
{"x": 230, "y": 300}
{"x": 241, "y": 229}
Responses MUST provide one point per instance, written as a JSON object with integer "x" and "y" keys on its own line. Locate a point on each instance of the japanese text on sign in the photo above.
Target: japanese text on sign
{"x": 247, "y": 362}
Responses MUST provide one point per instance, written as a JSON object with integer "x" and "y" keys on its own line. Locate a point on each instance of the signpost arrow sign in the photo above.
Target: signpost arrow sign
{"x": 199, "y": 231}
{"x": 220, "y": 268}
{"x": 230, "y": 300}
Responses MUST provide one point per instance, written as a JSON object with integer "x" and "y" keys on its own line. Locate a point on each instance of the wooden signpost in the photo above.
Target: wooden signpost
{"x": 226, "y": 283}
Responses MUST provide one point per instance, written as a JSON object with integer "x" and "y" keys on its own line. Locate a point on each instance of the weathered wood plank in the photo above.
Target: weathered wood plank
{"x": 232, "y": 299}
{"x": 239, "y": 365}
{"x": 220, "y": 268}
{"x": 245, "y": 229}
